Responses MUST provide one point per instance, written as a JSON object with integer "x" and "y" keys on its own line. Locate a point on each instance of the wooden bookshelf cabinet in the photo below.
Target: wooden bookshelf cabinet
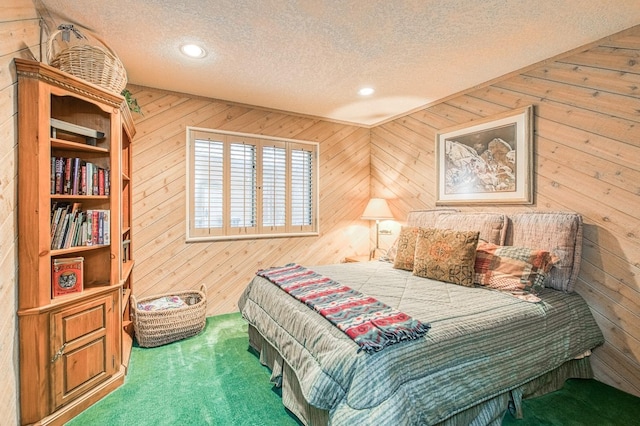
{"x": 72, "y": 346}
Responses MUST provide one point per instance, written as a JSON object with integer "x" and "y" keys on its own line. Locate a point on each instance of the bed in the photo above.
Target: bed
{"x": 486, "y": 349}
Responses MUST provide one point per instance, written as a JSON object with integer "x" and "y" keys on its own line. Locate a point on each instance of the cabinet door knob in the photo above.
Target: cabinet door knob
{"x": 59, "y": 353}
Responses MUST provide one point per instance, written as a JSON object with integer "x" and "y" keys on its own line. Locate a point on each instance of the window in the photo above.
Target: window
{"x": 250, "y": 186}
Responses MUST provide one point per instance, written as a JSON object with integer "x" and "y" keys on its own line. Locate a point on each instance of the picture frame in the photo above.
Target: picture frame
{"x": 486, "y": 161}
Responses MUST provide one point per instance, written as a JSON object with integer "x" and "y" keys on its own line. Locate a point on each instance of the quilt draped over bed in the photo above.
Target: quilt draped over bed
{"x": 372, "y": 324}
{"x": 482, "y": 343}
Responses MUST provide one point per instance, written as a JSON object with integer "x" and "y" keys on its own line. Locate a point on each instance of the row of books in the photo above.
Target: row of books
{"x": 75, "y": 176}
{"x": 73, "y": 227}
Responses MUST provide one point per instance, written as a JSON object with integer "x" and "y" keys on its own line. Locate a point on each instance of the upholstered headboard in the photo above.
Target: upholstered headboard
{"x": 557, "y": 232}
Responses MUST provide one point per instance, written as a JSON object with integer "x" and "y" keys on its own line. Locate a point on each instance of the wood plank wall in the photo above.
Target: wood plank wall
{"x": 19, "y": 37}
{"x": 165, "y": 262}
{"x": 587, "y": 159}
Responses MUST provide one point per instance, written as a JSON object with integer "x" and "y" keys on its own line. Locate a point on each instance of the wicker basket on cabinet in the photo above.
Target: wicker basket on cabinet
{"x": 90, "y": 60}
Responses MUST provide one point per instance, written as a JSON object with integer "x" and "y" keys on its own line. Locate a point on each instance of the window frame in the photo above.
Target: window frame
{"x": 227, "y": 232}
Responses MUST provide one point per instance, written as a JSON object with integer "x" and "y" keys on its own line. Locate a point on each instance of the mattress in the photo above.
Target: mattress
{"x": 482, "y": 343}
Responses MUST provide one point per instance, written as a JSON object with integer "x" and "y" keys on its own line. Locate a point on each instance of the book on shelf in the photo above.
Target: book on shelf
{"x": 74, "y": 176}
{"x": 67, "y": 276}
{"x": 73, "y": 227}
{"x": 69, "y": 131}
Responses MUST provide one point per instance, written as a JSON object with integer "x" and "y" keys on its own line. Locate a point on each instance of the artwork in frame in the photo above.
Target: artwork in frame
{"x": 487, "y": 161}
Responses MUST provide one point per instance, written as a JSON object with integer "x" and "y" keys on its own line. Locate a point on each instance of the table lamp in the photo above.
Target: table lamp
{"x": 377, "y": 209}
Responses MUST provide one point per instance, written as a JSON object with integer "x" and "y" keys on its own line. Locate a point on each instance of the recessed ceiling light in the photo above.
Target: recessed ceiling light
{"x": 193, "y": 50}
{"x": 366, "y": 91}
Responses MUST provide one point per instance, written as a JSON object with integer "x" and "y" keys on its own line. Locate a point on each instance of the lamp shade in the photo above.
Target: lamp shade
{"x": 377, "y": 209}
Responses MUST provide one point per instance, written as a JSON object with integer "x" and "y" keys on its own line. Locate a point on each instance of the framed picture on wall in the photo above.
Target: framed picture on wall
{"x": 487, "y": 161}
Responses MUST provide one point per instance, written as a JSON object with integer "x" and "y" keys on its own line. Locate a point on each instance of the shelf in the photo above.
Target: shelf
{"x": 75, "y": 146}
{"x": 78, "y": 249}
{"x": 127, "y": 267}
{"x": 78, "y": 197}
{"x": 69, "y": 299}
{"x": 126, "y": 294}
{"x": 127, "y": 342}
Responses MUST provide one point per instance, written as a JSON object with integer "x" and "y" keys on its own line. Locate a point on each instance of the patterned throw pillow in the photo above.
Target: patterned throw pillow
{"x": 405, "y": 248}
{"x": 517, "y": 270}
{"x": 446, "y": 255}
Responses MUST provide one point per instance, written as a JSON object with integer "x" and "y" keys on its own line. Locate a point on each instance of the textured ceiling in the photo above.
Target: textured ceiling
{"x": 311, "y": 56}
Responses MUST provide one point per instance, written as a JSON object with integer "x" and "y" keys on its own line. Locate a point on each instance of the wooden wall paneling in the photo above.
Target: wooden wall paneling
{"x": 253, "y": 121}
{"x": 402, "y": 171}
{"x": 17, "y": 10}
{"x": 612, "y": 58}
{"x": 154, "y": 102}
{"x": 609, "y": 104}
{"x": 592, "y": 121}
{"x": 155, "y": 130}
{"x": 588, "y": 76}
{"x": 615, "y": 359}
{"x": 19, "y": 37}
{"x": 596, "y": 191}
{"x": 172, "y": 173}
{"x": 8, "y": 178}
{"x": 625, "y": 179}
{"x": 602, "y": 361}
{"x": 607, "y": 273}
{"x": 476, "y": 106}
{"x": 604, "y": 148}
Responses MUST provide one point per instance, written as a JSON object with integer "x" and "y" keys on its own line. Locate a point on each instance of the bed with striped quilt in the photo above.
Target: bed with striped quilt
{"x": 482, "y": 344}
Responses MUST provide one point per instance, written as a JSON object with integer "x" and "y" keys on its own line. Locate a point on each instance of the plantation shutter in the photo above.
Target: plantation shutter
{"x": 302, "y": 188}
{"x": 207, "y": 209}
{"x": 242, "y": 187}
{"x": 274, "y": 187}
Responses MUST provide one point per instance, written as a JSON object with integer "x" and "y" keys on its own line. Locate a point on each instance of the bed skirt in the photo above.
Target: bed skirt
{"x": 485, "y": 412}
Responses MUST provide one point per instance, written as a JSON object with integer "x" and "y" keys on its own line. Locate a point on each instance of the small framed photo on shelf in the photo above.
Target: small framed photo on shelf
{"x": 67, "y": 276}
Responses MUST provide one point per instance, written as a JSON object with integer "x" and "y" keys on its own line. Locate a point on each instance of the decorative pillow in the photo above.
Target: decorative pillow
{"x": 405, "y": 248}
{"x": 557, "y": 232}
{"x": 517, "y": 270}
{"x": 446, "y": 255}
{"x": 418, "y": 218}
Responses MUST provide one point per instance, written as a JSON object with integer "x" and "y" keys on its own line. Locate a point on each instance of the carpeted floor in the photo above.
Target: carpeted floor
{"x": 580, "y": 403}
{"x": 213, "y": 379}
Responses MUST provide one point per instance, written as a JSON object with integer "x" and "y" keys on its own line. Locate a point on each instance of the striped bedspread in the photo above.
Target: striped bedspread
{"x": 481, "y": 343}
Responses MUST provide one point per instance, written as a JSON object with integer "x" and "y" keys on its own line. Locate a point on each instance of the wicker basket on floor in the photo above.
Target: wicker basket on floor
{"x": 156, "y": 328}
{"x": 91, "y": 61}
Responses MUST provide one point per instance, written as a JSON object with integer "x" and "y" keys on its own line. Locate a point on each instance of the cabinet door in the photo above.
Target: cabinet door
{"x": 83, "y": 351}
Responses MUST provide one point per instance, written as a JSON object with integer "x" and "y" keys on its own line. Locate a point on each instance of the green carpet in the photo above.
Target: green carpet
{"x": 578, "y": 403}
{"x": 213, "y": 379}
{"x": 209, "y": 379}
